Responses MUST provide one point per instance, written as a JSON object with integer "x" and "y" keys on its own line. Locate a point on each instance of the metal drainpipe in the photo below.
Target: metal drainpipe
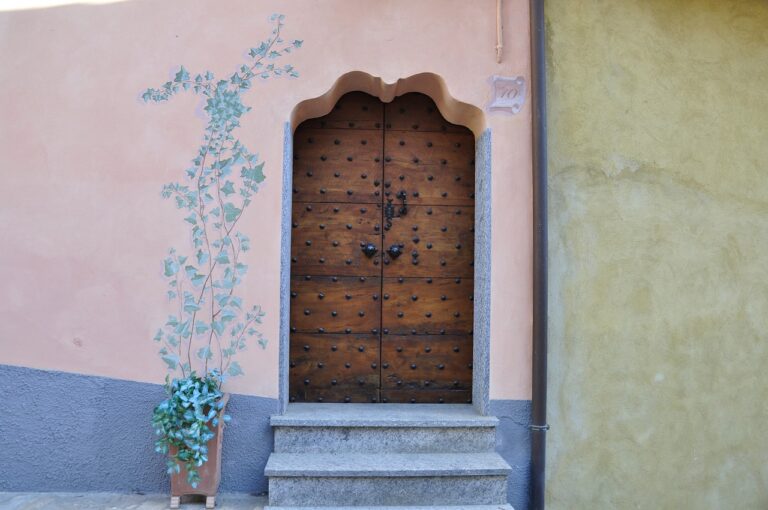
{"x": 539, "y": 425}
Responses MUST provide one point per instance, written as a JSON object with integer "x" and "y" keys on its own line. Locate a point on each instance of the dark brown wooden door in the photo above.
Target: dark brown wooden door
{"x": 382, "y": 254}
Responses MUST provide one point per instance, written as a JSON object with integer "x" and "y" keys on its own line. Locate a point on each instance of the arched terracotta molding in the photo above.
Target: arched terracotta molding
{"x": 430, "y": 84}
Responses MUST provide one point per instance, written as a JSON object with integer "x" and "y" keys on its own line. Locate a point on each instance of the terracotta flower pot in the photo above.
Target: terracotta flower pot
{"x": 210, "y": 472}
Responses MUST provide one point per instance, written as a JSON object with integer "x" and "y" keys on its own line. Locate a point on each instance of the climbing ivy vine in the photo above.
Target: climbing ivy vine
{"x": 210, "y": 323}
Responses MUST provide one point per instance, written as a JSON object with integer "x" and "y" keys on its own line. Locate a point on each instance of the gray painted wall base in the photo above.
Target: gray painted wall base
{"x": 76, "y": 433}
{"x": 513, "y": 442}
{"x": 70, "y": 432}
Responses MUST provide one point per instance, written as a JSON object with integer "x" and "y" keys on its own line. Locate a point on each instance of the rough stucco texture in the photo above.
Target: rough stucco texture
{"x": 658, "y": 118}
{"x": 69, "y": 432}
{"x": 513, "y": 442}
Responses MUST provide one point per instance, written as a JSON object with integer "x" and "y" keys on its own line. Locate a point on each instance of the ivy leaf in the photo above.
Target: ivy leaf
{"x": 228, "y": 188}
{"x": 218, "y": 327}
{"x": 204, "y": 353}
{"x": 231, "y": 212}
{"x": 191, "y": 307}
{"x": 227, "y": 315}
{"x": 255, "y": 174}
{"x": 171, "y": 267}
{"x": 234, "y": 369}
{"x": 172, "y": 360}
{"x": 181, "y": 75}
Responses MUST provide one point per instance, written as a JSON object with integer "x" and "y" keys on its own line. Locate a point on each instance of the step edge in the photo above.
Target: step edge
{"x": 490, "y": 464}
{"x": 289, "y": 421}
{"x": 382, "y": 415}
{"x": 488, "y": 472}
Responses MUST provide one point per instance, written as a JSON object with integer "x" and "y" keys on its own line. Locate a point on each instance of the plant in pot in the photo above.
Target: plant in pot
{"x": 210, "y": 324}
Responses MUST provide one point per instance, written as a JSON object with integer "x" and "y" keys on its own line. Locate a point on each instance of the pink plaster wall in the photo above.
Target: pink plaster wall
{"x": 82, "y": 227}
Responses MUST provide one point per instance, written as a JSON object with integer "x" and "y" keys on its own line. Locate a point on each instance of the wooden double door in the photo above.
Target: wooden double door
{"x": 382, "y": 255}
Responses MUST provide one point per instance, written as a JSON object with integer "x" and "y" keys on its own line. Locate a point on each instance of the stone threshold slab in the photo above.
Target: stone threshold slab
{"x": 365, "y": 465}
{"x": 382, "y": 415}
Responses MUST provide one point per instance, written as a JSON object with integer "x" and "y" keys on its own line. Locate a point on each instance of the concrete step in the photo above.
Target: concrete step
{"x": 354, "y": 479}
{"x": 385, "y": 428}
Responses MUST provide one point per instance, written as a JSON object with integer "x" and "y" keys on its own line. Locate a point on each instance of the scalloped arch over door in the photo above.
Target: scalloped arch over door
{"x": 382, "y": 253}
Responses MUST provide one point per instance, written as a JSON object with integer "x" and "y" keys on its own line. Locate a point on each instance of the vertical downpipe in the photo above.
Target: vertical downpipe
{"x": 539, "y": 425}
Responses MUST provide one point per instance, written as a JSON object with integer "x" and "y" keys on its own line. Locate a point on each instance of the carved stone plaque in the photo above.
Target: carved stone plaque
{"x": 508, "y": 94}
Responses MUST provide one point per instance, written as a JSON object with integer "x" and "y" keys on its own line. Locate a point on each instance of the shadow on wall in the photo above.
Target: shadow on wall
{"x": 430, "y": 84}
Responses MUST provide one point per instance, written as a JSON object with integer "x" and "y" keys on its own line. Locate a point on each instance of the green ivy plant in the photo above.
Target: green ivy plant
{"x": 182, "y": 422}
{"x": 210, "y": 323}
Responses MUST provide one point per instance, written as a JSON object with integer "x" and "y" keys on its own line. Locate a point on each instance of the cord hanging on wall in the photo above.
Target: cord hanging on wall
{"x": 499, "y": 32}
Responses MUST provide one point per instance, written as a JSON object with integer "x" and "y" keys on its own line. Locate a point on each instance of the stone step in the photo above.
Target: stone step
{"x": 385, "y": 464}
{"x": 384, "y": 439}
{"x": 383, "y": 415}
{"x": 354, "y": 479}
{"x": 461, "y": 507}
{"x": 385, "y": 428}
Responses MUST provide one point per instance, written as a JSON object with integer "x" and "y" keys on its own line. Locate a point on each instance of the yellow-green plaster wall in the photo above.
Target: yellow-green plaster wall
{"x": 658, "y": 214}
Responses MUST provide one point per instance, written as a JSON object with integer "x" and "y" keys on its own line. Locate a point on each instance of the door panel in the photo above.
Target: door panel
{"x": 331, "y": 304}
{"x": 421, "y": 396}
{"x": 368, "y": 325}
{"x": 417, "y": 112}
{"x": 356, "y": 110}
{"x": 437, "y": 241}
{"x": 422, "y": 306}
{"x": 326, "y": 239}
{"x": 432, "y": 168}
{"x": 334, "y": 368}
{"x": 441, "y": 362}
{"x": 337, "y": 165}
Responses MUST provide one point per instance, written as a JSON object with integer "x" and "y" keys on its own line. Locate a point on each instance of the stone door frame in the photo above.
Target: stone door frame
{"x": 482, "y": 268}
